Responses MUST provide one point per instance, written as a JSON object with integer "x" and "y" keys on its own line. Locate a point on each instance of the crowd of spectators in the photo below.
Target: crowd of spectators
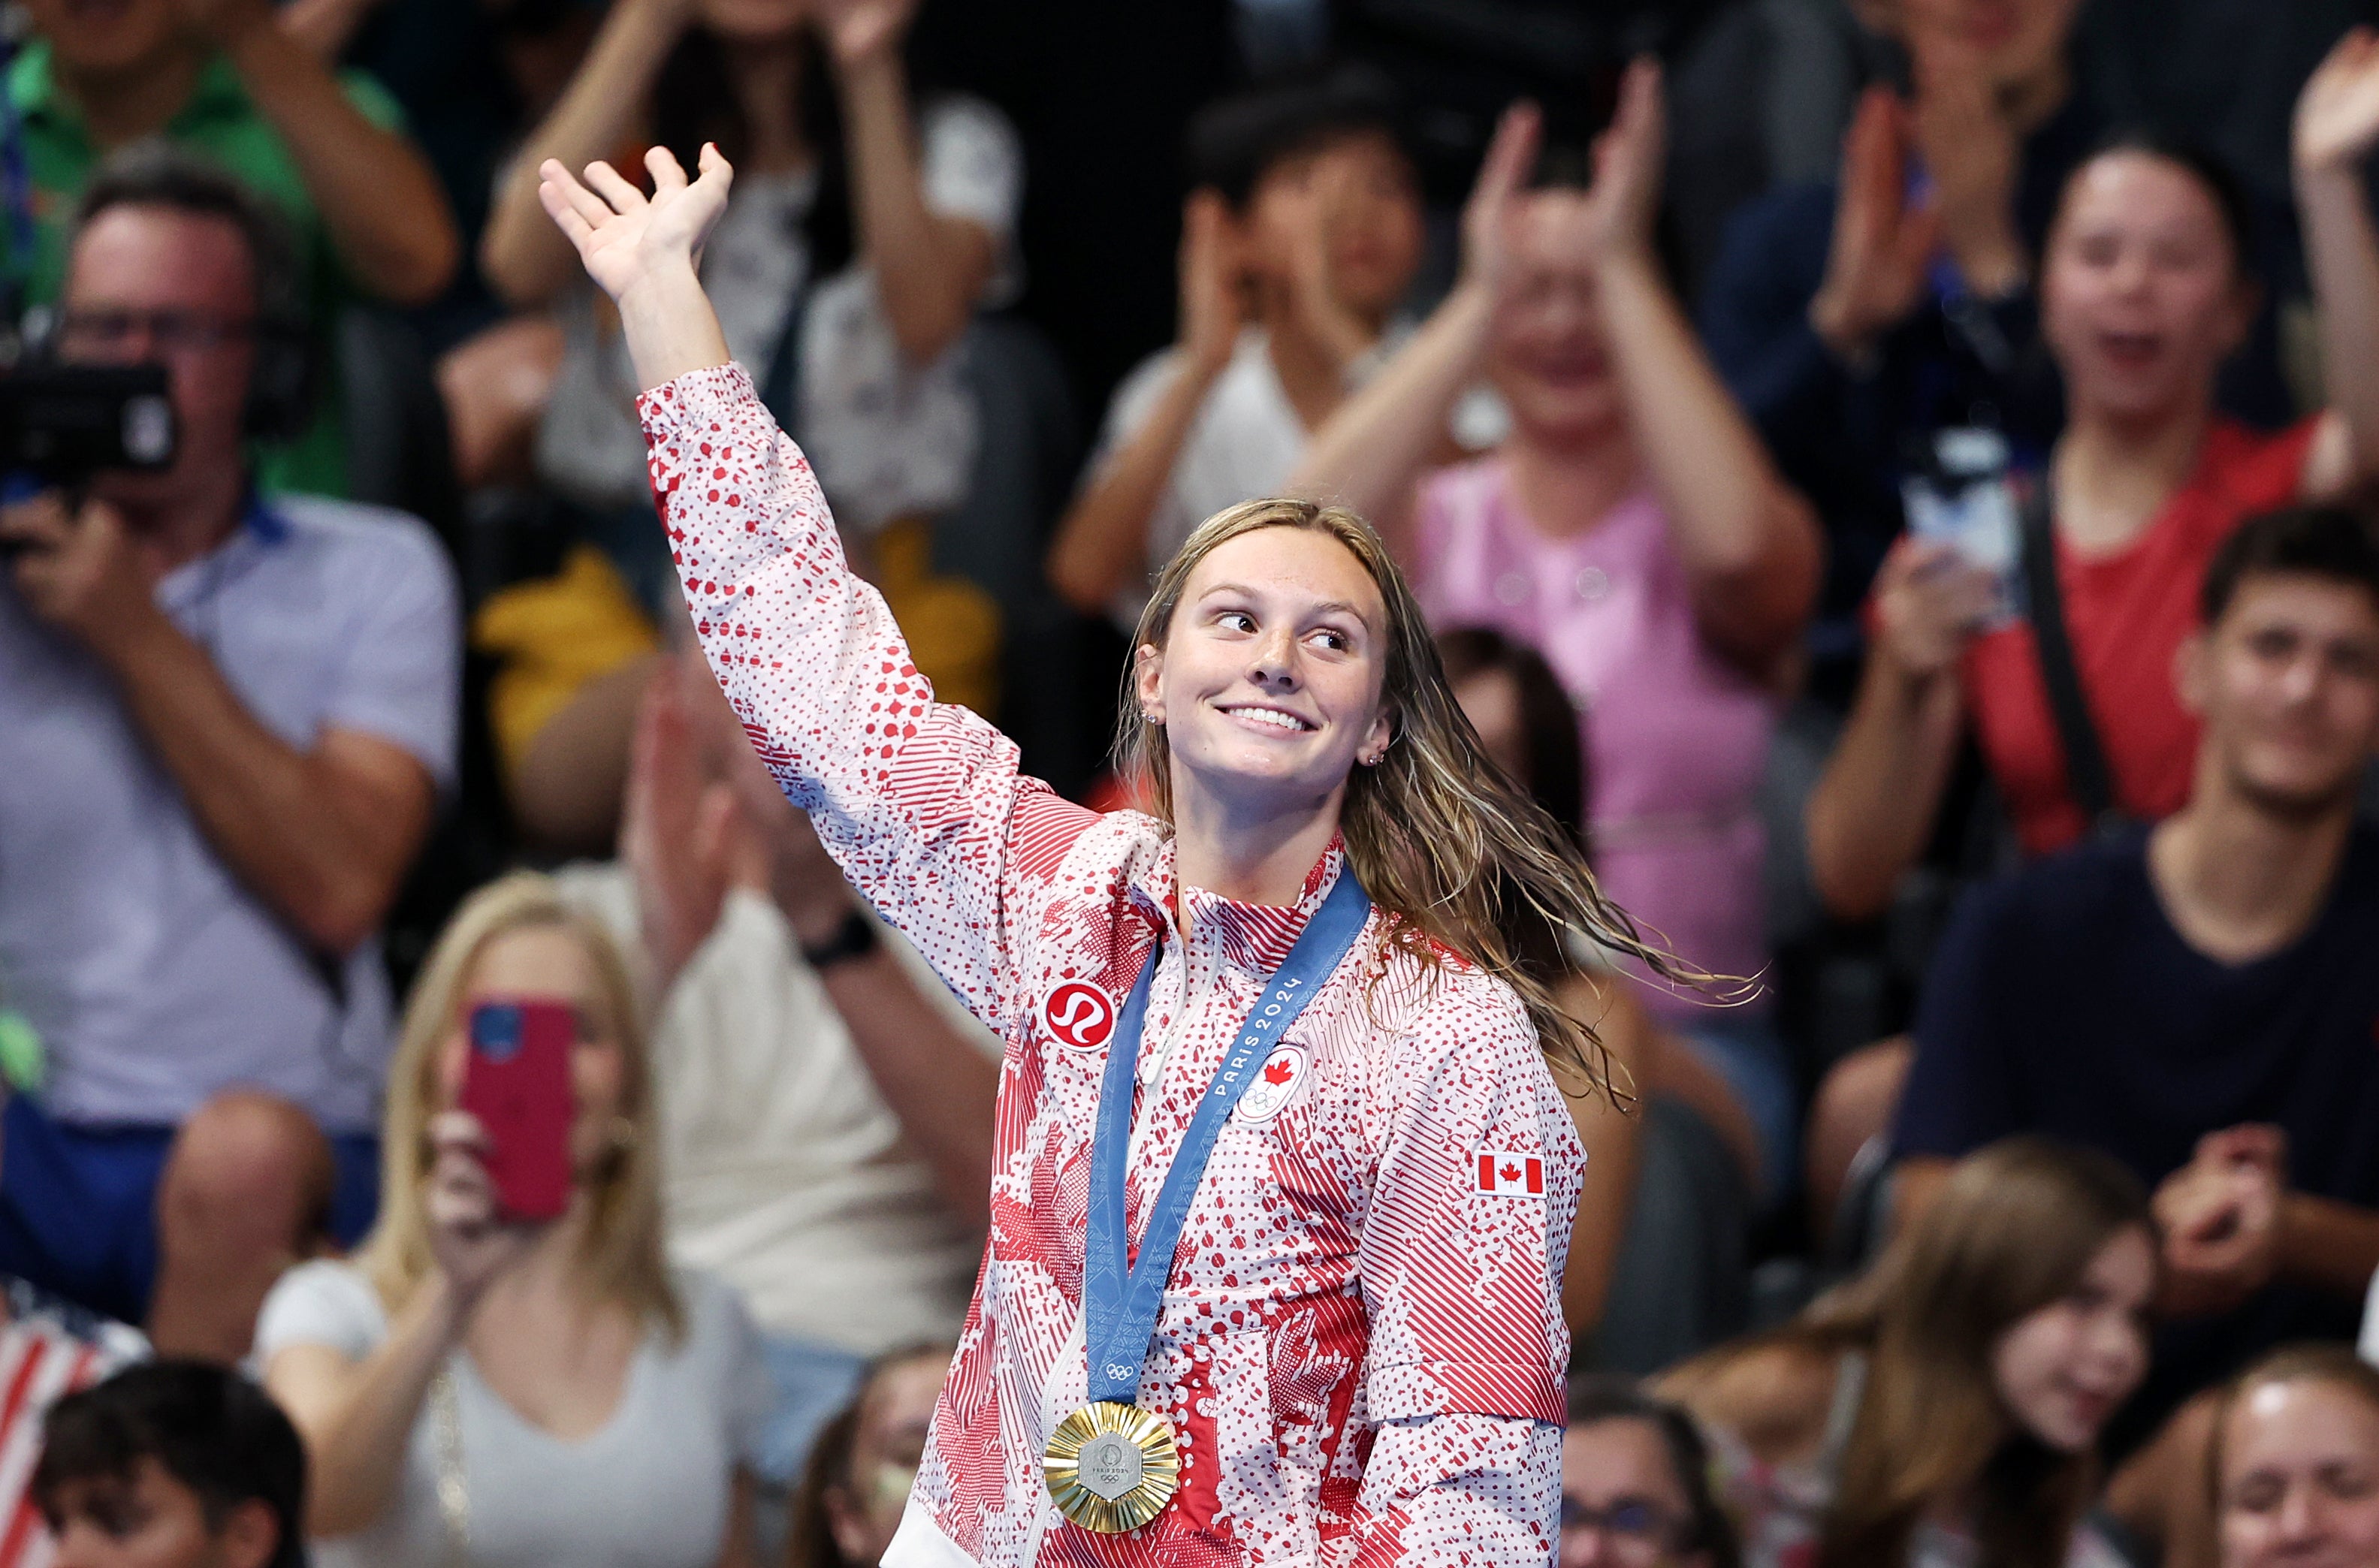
{"x": 1925, "y": 555}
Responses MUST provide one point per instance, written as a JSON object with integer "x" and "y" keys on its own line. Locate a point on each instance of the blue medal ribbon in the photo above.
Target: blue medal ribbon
{"x": 1120, "y": 1301}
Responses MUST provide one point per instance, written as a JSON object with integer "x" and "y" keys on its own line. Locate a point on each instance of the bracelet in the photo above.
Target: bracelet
{"x": 854, "y": 938}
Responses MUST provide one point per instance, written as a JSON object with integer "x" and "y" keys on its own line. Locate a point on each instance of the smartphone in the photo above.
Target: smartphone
{"x": 517, "y": 1083}
{"x": 1958, "y": 493}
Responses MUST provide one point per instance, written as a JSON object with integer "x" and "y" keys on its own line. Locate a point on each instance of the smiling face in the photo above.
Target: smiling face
{"x": 550, "y": 963}
{"x": 2288, "y": 685}
{"x": 2299, "y": 1481}
{"x": 2014, "y": 41}
{"x": 1269, "y": 681}
{"x": 2061, "y": 1369}
{"x": 2141, "y": 295}
{"x": 1547, "y": 356}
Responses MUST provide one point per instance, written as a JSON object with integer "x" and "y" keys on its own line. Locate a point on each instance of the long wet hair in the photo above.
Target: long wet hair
{"x": 1444, "y": 841}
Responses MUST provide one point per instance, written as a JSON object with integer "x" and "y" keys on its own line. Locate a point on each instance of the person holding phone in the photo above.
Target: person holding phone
{"x": 1283, "y": 1013}
{"x": 2145, "y": 292}
{"x": 509, "y": 1369}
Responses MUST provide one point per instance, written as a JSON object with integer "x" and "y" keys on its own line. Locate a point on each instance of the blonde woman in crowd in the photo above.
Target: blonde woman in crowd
{"x": 471, "y": 1389}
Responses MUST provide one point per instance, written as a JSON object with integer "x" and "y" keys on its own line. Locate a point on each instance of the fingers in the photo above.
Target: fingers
{"x": 613, "y": 187}
{"x": 40, "y": 523}
{"x": 1510, "y": 155}
{"x": 667, "y": 172}
{"x": 715, "y": 170}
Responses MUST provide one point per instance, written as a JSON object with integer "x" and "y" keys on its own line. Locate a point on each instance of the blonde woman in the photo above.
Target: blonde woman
{"x": 1281, "y": 1183}
{"x": 471, "y": 1391}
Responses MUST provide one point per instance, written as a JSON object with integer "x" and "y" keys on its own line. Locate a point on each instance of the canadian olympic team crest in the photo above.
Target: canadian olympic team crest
{"x": 1079, "y": 1014}
{"x": 1273, "y": 1084}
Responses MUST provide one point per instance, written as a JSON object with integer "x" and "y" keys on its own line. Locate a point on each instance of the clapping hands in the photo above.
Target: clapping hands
{"x": 2220, "y": 1216}
{"x": 2338, "y": 112}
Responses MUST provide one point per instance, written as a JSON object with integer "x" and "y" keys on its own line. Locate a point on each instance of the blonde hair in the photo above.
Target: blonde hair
{"x": 622, "y": 1260}
{"x": 1439, "y": 837}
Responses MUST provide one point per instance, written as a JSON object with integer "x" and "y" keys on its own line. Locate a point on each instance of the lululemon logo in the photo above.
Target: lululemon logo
{"x": 1079, "y": 1014}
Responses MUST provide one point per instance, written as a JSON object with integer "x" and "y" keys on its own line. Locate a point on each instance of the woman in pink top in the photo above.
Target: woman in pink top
{"x": 1631, "y": 527}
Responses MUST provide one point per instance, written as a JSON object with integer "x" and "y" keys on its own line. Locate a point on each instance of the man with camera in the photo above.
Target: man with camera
{"x": 223, "y": 727}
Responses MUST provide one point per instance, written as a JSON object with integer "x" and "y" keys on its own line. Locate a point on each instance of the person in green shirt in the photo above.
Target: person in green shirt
{"x": 223, "y": 80}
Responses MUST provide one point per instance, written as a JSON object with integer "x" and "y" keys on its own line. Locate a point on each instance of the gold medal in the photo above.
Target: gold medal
{"x": 1112, "y": 1466}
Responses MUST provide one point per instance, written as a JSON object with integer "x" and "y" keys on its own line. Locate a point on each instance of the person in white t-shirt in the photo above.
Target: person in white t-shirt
{"x": 826, "y": 1106}
{"x": 1300, "y": 242}
{"x": 864, "y": 234}
{"x": 476, "y": 1389}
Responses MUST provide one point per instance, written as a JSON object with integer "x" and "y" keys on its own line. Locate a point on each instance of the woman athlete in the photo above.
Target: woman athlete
{"x": 1329, "y": 1132}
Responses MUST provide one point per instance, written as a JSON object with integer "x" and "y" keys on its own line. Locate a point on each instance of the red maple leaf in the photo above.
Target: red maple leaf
{"x": 1279, "y": 1072}
{"x": 1510, "y": 1173}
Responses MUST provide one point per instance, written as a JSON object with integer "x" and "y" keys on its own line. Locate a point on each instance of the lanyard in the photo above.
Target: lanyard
{"x": 1120, "y": 1304}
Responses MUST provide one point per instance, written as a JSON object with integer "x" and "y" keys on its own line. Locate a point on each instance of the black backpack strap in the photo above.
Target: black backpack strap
{"x": 2087, "y": 773}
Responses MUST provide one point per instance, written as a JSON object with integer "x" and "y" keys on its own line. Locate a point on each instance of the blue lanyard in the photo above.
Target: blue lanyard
{"x": 1120, "y": 1304}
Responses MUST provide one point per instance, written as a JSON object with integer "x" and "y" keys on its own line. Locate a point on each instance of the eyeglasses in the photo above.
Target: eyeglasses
{"x": 168, "y": 331}
{"x": 1637, "y": 1527}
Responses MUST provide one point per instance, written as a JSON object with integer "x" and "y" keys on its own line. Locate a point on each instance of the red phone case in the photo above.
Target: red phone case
{"x": 517, "y": 1084}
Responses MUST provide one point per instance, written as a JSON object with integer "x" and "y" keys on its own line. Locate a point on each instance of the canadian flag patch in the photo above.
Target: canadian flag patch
{"x": 1273, "y": 1085}
{"x": 1507, "y": 1175}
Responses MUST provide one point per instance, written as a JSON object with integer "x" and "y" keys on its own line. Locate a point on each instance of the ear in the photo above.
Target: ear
{"x": 1148, "y": 679}
{"x": 251, "y": 1534}
{"x": 2193, "y": 670}
{"x": 1381, "y": 731}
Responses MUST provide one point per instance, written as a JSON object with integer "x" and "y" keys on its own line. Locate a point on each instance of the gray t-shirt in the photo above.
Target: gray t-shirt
{"x": 154, "y": 978}
{"x": 650, "y": 1489}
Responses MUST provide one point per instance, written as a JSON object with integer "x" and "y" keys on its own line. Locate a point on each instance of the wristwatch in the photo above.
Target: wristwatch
{"x": 854, "y": 938}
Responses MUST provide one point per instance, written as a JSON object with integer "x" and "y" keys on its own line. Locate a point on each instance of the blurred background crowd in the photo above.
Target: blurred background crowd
{"x": 1892, "y": 477}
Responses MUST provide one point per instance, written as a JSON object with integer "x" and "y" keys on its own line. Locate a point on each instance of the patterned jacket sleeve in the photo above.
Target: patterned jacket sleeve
{"x": 1461, "y": 1276}
{"x": 921, "y": 804}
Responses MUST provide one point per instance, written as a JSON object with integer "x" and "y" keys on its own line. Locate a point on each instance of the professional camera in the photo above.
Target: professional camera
{"x": 61, "y": 424}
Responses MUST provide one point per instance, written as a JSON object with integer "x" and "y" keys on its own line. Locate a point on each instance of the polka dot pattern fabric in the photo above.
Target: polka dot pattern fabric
{"x": 1362, "y": 1346}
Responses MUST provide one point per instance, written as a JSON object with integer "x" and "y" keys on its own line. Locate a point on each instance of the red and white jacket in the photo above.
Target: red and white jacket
{"x": 1362, "y": 1346}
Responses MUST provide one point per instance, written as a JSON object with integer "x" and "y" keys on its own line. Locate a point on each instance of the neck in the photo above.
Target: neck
{"x": 2239, "y": 879}
{"x": 2113, "y": 475}
{"x": 1566, "y": 488}
{"x": 767, "y": 81}
{"x": 122, "y": 106}
{"x": 185, "y": 526}
{"x": 2032, "y": 102}
{"x": 1254, "y": 857}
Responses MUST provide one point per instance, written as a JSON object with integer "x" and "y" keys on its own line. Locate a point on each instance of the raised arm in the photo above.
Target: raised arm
{"x": 1872, "y": 813}
{"x": 1749, "y": 543}
{"x": 1371, "y": 452}
{"x": 523, "y": 259}
{"x": 930, "y": 268}
{"x": 920, "y": 804}
{"x": 2336, "y": 124}
{"x": 1102, "y": 545}
{"x": 381, "y": 201}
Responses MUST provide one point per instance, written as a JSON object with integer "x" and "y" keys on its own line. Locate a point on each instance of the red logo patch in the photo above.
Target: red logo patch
{"x": 1079, "y": 1014}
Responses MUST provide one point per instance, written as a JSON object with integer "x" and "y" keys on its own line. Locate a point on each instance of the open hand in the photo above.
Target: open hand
{"x": 626, "y": 238}
{"x": 1971, "y": 154}
{"x": 2338, "y": 112}
{"x": 861, "y": 30}
{"x": 1213, "y": 303}
{"x": 1882, "y": 243}
{"x": 1494, "y": 210}
{"x": 1626, "y": 195}
{"x": 683, "y": 834}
